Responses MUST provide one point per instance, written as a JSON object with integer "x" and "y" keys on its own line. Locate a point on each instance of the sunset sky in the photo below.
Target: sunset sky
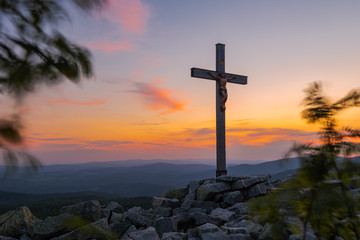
{"x": 143, "y": 104}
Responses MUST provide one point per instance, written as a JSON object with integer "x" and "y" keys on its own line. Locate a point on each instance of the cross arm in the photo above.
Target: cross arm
{"x": 203, "y": 73}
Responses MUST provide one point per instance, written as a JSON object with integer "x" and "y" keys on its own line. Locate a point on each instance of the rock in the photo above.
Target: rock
{"x": 163, "y": 211}
{"x": 244, "y": 183}
{"x": 208, "y": 191}
{"x": 222, "y": 215}
{"x": 16, "y": 222}
{"x": 239, "y": 236}
{"x": 208, "y": 206}
{"x": 120, "y": 227}
{"x": 259, "y": 190}
{"x": 137, "y": 219}
{"x": 89, "y": 210}
{"x": 240, "y": 208}
{"x": 24, "y": 237}
{"x": 309, "y": 236}
{"x": 200, "y": 218}
{"x": 111, "y": 207}
{"x": 146, "y": 234}
{"x": 173, "y": 236}
{"x": 193, "y": 234}
{"x": 230, "y": 179}
{"x": 178, "y": 193}
{"x": 234, "y": 197}
{"x": 182, "y": 221}
{"x": 51, "y": 226}
{"x": 163, "y": 225}
{"x": 233, "y": 230}
{"x": 125, "y": 236}
{"x": 165, "y": 202}
{"x": 115, "y": 218}
{"x": 250, "y": 227}
{"x": 266, "y": 233}
{"x": 193, "y": 185}
{"x": 209, "y": 231}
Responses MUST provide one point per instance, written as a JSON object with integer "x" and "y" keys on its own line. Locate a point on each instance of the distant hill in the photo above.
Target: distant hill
{"x": 127, "y": 179}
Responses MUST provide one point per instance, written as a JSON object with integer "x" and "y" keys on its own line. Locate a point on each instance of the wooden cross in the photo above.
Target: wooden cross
{"x": 219, "y": 75}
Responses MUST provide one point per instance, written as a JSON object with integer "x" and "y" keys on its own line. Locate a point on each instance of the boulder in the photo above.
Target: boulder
{"x": 239, "y": 236}
{"x": 110, "y": 208}
{"x": 244, "y": 183}
{"x": 259, "y": 190}
{"x": 230, "y": 179}
{"x": 7, "y": 238}
{"x": 163, "y": 211}
{"x": 165, "y": 202}
{"x": 208, "y": 191}
{"x": 16, "y": 222}
{"x": 210, "y": 231}
{"x": 89, "y": 210}
{"x": 250, "y": 227}
{"x": 125, "y": 236}
{"x": 240, "y": 208}
{"x": 120, "y": 227}
{"x": 223, "y": 215}
{"x": 234, "y": 197}
{"x": 174, "y": 236}
{"x": 137, "y": 219}
{"x": 208, "y": 206}
{"x": 146, "y": 234}
{"x": 51, "y": 226}
{"x": 182, "y": 221}
{"x": 200, "y": 218}
{"x": 178, "y": 193}
{"x": 163, "y": 225}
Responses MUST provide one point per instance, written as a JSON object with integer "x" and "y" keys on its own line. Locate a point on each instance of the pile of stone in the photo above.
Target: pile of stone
{"x": 204, "y": 210}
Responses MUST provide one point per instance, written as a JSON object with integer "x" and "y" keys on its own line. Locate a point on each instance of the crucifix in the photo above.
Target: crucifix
{"x": 221, "y": 78}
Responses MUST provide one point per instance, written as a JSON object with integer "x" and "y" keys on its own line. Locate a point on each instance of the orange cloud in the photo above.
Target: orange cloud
{"x": 111, "y": 47}
{"x": 94, "y": 102}
{"x": 156, "y": 98}
{"x": 132, "y": 14}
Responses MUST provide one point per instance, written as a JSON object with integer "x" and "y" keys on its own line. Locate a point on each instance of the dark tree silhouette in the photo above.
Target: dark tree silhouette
{"x": 34, "y": 52}
{"x": 322, "y": 195}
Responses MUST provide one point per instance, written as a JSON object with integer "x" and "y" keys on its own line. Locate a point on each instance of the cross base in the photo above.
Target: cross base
{"x": 221, "y": 172}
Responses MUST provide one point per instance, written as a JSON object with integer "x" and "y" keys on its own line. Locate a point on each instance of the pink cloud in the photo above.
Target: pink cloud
{"x": 132, "y": 14}
{"x": 156, "y": 98}
{"x": 111, "y": 46}
{"x": 94, "y": 102}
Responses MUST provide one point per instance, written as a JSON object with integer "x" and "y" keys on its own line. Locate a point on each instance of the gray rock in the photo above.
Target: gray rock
{"x": 24, "y": 237}
{"x": 137, "y": 219}
{"x": 309, "y": 236}
{"x": 208, "y": 206}
{"x": 240, "y": 208}
{"x": 146, "y": 234}
{"x": 115, "y": 217}
{"x": 193, "y": 234}
{"x": 120, "y": 227}
{"x": 233, "y": 230}
{"x": 230, "y": 179}
{"x": 250, "y": 227}
{"x": 208, "y": 191}
{"x": 89, "y": 210}
{"x": 222, "y": 215}
{"x": 234, "y": 197}
{"x": 163, "y": 225}
{"x": 51, "y": 226}
{"x": 125, "y": 236}
{"x": 179, "y": 210}
{"x": 266, "y": 232}
{"x": 182, "y": 221}
{"x": 165, "y": 202}
{"x": 16, "y": 222}
{"x": 193, "y": 185}
{"x": 178, "y": 193}
{"x": 210, "y": 231}
{"x": 174, "y": 236}
{"x": 239, "y": 236}
{"x": 163, "y": 211}
{"x": 111, "y": 207}
{"x": 244, "y": 183}
{"x": 259, "y": 190}
{"x": 200, "y": 218}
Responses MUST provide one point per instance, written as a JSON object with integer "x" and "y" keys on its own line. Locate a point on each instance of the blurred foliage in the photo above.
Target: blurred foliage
{"x": 33, "y": 52}
{"x": 322, "y": 197}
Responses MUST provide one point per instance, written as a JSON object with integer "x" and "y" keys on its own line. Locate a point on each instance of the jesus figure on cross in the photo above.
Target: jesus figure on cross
{"x": 223, "y": 90}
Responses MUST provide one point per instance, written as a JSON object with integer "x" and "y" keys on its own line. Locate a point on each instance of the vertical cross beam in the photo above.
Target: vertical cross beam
{"x": 220, "y": 115}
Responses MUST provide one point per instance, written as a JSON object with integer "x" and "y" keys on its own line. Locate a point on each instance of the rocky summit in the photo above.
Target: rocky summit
{"x": 211, "y": 209}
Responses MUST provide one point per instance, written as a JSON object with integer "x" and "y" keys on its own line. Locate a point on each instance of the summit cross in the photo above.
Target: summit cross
{"x": 221, "y": 78}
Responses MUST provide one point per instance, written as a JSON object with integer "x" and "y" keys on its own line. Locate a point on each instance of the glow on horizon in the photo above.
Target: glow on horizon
{"x": 144, "y": 104}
